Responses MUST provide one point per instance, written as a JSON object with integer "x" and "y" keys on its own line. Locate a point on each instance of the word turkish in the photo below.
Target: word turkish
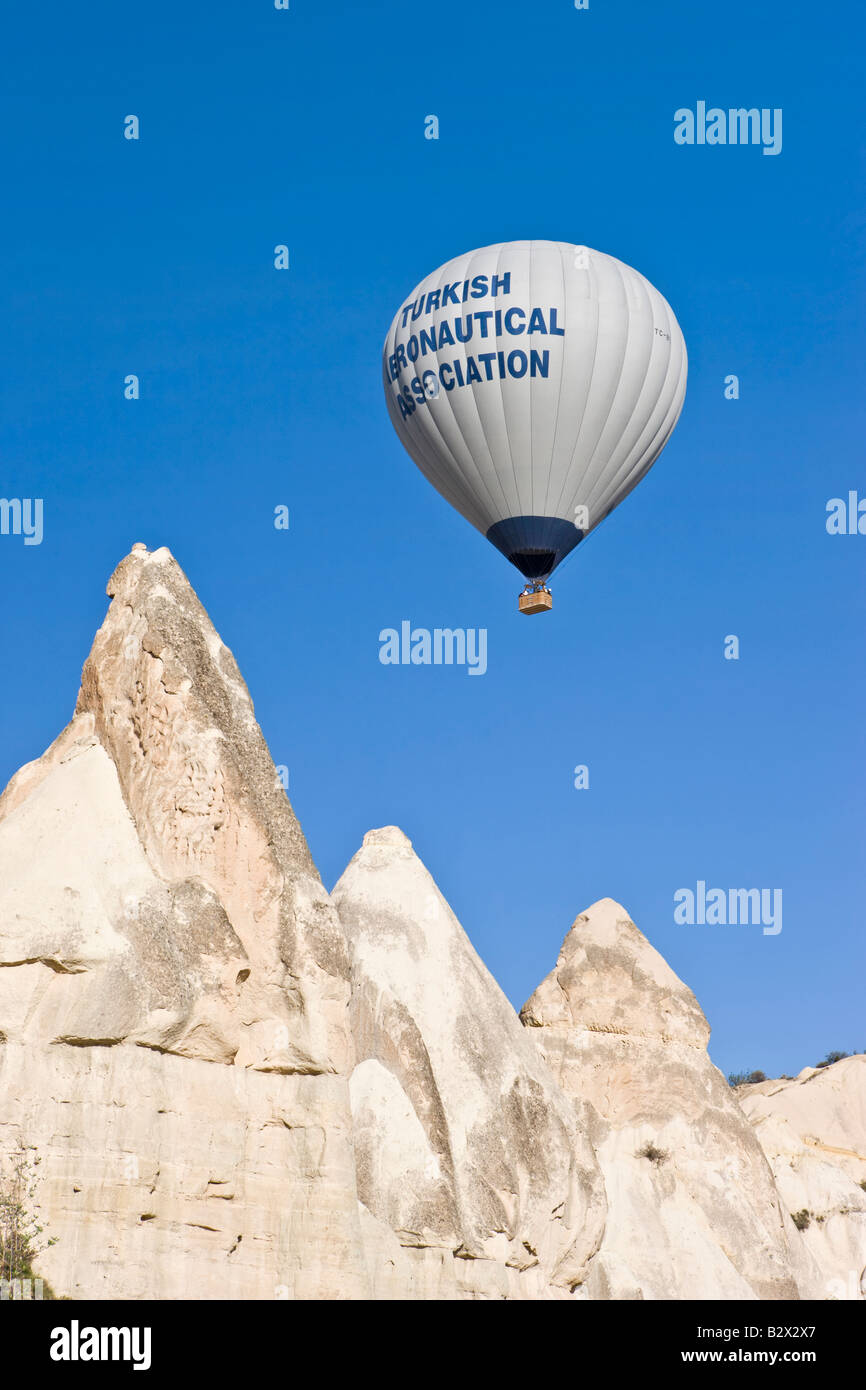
{"x": 475, "y": 288}
{"x": 736, "y": 907}
{"x": 737, "y": 126}
{"x": 444, "y": 646}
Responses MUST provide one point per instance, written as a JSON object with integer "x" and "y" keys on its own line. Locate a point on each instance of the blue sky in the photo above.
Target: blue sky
{"x": 261, "y": 388}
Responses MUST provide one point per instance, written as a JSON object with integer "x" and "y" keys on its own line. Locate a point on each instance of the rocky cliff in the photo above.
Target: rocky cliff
{"x": 239, "y": 1087}
{"x": 813, "y": 1129}
{"x": 174, "y": 984}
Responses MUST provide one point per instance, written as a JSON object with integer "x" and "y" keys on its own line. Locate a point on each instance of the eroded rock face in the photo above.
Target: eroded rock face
{"x": 466, "y": 1149}
{"x": 239, "y": 1088}
{"x": 692, "y": 1208}
{"x": 813, "y": 1130}
{"x": 165, "y": 941}
{"x": 172, "y": 712}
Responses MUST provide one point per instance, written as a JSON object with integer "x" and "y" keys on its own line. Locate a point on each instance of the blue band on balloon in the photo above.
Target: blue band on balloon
{"x": 535, "y": 544}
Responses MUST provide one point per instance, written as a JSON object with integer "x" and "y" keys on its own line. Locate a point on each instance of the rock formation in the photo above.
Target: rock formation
{"x": 464, "y": 1143}
{"x": 813, "y": 1130}
{"x": 239, "y": 1087}
{"x": 692, "y": 1208}
{"x": 174, "y": 982}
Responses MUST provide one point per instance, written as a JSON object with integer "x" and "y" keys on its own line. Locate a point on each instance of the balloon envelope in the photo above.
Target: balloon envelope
{"x": 534, "y": 383}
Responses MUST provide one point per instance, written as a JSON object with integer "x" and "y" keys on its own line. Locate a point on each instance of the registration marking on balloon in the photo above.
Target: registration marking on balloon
{"x": 534, "y": 383}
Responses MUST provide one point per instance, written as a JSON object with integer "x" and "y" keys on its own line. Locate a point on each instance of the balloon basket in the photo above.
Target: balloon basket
{"x": 535, "y": 599}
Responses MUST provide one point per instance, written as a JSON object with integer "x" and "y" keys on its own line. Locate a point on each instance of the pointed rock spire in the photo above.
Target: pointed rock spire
{"x": 693, "y": 1210}
{"x": 161, "y": 913}
{"x": 463, "y": 1141}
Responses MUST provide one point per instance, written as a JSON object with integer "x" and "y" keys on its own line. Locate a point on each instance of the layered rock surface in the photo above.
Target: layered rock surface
{"x": 692, "y": 1207}
{"x": 239, "y": 1087}
{"x": 465, "y": 1146}
{"x": 173, "y": 982}
{"x": 813, "y": 1130}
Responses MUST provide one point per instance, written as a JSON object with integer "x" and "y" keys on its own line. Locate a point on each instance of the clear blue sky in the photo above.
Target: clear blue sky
{"x": 259, "y": 387}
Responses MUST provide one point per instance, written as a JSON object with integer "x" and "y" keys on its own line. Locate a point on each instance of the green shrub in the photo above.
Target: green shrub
{"x": 19, "y": 1230}
{"x": 801, "y": 1219}
{"x": 831, "y": 1058}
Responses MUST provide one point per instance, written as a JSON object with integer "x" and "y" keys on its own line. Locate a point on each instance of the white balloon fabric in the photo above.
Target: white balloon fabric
{"x": 534, "y": 383}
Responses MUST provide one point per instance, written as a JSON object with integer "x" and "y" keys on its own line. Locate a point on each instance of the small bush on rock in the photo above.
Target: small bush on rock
{"x": 656, "y": 1156}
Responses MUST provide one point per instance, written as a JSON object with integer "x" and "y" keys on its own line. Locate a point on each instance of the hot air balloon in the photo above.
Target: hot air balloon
{"x": 534, "y": 383}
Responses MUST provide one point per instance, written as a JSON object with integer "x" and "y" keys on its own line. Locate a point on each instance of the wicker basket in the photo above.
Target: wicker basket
{"x": 538, "y": 602}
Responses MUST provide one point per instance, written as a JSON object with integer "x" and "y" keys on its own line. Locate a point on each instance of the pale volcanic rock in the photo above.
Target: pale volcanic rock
{"x": 174, "y": 1038}
{"x": 239, "y": 1087}
{"x": 171, "y": 710}
{"x": 813, "y": 1130}
{"x": 464, "y": 1144}
{"x": 692, "y": 1208}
